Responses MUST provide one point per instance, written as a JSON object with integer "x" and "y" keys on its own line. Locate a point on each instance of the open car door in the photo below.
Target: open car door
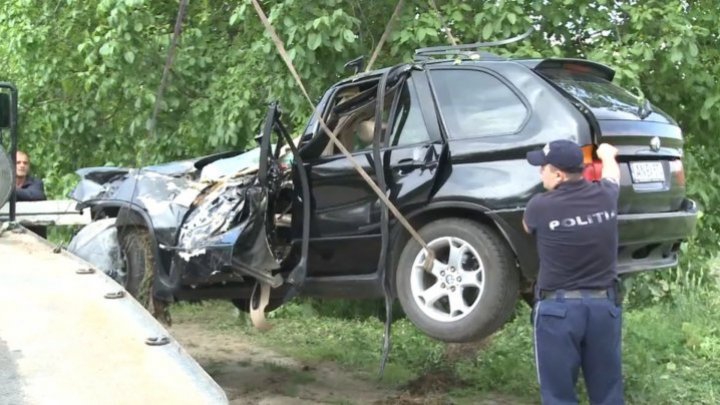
{"x": 253, "y": 245}
{"x": 346, "y": 226}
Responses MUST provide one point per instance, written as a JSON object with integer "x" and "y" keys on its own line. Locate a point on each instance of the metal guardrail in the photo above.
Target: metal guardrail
{"x": 50, "y": 212}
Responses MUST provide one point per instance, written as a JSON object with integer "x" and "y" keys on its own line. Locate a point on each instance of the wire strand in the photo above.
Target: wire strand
{"x": 386, "y": 34}
{"x": 286, "y": 58}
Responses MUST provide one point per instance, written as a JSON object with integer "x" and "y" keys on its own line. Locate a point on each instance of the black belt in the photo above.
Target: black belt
{"x": 575, "y": 294}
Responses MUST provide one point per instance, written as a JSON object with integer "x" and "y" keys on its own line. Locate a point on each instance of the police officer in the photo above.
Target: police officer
{"x": 576, "y": 317}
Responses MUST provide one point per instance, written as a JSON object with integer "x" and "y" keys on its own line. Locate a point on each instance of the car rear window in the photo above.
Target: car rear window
{"x": 593, "y": 90}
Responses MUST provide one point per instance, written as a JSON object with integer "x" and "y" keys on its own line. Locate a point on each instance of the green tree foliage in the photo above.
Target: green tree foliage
{"x": 89, "y": 70}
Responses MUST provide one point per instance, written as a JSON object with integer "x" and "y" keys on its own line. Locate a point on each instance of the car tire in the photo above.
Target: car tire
{"x": 471, "y": 291}
{"x": 141, "y": 270}
{"x": 139, "y": 258}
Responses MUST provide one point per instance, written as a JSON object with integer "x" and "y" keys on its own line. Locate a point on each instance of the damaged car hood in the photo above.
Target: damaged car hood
{"x": 206, "y": 223}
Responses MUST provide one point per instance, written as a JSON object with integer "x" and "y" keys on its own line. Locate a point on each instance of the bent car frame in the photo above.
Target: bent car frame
{"x": 446, "y": 139}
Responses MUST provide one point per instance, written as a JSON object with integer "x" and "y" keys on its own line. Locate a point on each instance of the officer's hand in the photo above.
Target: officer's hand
{"x": 606, "y": 151}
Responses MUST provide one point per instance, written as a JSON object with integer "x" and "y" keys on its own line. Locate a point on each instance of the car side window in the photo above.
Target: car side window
{"x": 477, "y": 104}
{"x": 409, "y": 127}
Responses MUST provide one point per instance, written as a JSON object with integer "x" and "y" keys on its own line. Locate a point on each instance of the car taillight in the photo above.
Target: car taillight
{"x": 593, "y": 167}
{"x": 677, "y": 170}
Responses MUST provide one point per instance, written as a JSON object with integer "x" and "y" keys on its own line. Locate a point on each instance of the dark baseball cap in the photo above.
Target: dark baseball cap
{"x": 563, "y": 154}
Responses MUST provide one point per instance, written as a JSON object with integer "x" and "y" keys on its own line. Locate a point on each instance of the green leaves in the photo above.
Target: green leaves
{"x": 676, "y": 55}
{"x": 424, "y": 32}
{"x": 107, "y": 49}
{"x": 709, "y": 106}
{"x": 314, "y": 40}
{"x": 487, "y": 30}
{"x": 457, "y": 15}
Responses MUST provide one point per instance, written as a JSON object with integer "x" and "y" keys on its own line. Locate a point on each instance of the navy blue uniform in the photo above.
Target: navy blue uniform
{"x": 32, "y": 189}
{"x": 576, "y": 320}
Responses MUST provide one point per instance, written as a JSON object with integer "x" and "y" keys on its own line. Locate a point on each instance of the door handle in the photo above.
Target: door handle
{"x": 409, "y": 163}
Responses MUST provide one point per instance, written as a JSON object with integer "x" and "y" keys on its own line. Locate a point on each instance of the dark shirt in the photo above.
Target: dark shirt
{"x": 31, "y": 190}
{"x": 576, "y": 230}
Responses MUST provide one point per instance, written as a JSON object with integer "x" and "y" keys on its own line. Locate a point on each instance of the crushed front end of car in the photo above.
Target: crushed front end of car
{"x": 210, "y": 222}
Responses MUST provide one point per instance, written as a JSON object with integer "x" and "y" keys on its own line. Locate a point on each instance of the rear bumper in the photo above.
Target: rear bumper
{"x": 652, "y": 241}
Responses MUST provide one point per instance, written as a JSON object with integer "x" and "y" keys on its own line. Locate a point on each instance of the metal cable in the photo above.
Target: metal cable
{"x": 450, "y": 36}
{"x": 286, "y": 58}
{"x": 168, "y": 64}
{"x": 386, "y": 34}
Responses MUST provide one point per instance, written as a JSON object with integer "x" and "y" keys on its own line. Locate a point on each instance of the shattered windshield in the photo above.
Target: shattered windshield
{"x": 244, "y": 163}
{"x": 232, "y": 165}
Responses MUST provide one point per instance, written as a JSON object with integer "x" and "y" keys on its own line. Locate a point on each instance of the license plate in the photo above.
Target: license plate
{"x": 647, "y": 172}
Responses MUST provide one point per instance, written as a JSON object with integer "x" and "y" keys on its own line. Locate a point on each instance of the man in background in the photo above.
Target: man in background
{"x": 28, "y": 188}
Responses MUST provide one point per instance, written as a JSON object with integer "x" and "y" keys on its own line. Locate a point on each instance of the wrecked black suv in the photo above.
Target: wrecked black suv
{"x": 447, "y": 141}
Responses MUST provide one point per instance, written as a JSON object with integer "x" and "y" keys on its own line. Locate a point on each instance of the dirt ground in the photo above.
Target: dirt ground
{"x": 254, "y": 375}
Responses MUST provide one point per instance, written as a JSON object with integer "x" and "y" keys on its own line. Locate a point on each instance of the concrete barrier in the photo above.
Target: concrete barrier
{"x": 67, "y": 338}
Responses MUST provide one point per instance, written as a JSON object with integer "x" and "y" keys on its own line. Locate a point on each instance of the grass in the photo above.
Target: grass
{"x": 671, "y": 350}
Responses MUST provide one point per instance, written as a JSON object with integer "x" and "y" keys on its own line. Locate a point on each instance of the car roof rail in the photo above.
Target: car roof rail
{"x": 460, "y": 55}
{"x": 469, "y": 50}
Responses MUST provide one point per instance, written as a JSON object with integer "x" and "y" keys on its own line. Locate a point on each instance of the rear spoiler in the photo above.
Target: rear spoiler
{"x": 579, "y": 65}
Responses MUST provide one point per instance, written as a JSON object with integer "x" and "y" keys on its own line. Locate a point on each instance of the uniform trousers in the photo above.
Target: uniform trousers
{"x": 578, "y": 333}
